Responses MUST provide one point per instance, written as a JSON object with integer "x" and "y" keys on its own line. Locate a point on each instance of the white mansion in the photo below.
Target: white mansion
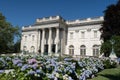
{"x": 55, "y": 35}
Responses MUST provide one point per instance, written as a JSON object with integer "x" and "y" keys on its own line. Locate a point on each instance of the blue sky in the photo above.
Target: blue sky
{"x": 25, "y": 12}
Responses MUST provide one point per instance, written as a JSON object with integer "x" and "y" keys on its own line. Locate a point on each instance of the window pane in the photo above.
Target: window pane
{"x": 93, "y": 52}
{"x": 84, "y": 52}
{"x": 72, "y": 51}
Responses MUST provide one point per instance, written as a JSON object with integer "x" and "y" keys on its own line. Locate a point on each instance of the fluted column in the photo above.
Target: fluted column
{"x": 57, "y": 40}
{"x": 38, "y": 42}
{"x": 43, "y": 40}
{"x": 50, "y": 40}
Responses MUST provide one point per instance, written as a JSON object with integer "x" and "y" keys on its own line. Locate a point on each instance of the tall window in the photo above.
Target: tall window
{"x": 82, "y": 50}
{"x": 71, "y": 35}
{"x": 33, "y": 37}
{"x": 25, "y": 38}
{"x": 71, "y": 50}
{"x": 95, "y": 50}
{"x": 95, "y": 34}
{"x": 82, "y": 34}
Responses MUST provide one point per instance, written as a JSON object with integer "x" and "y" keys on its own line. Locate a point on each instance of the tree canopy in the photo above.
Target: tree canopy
{"x": 111, "y": 24}
{"x": 7, "y": 34}
{"x": 111, "y": 29}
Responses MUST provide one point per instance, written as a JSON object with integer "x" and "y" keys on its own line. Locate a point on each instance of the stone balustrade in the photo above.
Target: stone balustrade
{"x": 47, "y": 19}
{"x": 85, "y": 20}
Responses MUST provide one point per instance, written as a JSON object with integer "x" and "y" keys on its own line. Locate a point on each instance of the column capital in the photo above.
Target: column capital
{"x": 50, "y": 28}
{"x": 57, "y": 27}
{"x": 50, "y": 33}
{"x": 39, "y": 29}
{"x": 42, "y": 28}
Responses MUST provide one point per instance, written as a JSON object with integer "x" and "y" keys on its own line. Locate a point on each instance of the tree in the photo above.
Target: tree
{"x": 17, "y": 46}
{"x": 111, "y": 28}
{"x": 7, "y": 34}
{"x": 111, "y": 24}
{"x": 18, "y": 42}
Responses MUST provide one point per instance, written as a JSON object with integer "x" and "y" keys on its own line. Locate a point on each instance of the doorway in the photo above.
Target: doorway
{"x": 46, "y": 49}
{"x": 53, "y": 48}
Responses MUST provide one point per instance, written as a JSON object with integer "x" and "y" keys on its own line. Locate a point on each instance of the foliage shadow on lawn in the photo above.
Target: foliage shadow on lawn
{"x": 111, "y": 77}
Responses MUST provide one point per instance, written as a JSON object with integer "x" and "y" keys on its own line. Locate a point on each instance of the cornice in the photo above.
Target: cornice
{"x": 60, "y": 20}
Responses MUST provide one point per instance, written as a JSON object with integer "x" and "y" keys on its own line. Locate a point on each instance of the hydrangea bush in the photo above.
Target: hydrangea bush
{"x": 34, "y": 67}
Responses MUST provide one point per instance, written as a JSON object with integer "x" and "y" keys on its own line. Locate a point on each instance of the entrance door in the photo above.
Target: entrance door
{"x": 53, "y": 48}
{"x": 46, "y": 49}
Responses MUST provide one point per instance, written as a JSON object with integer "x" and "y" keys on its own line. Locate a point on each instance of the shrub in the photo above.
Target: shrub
{"x": 108, "y": 63}
{"x": 106, "y": 48}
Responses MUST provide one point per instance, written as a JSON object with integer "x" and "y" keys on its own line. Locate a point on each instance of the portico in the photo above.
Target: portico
{"x": 50, "y": 40}
{"x": 46, "y": 33}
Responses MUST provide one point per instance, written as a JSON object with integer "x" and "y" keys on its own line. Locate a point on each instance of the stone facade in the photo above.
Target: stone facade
{"x": 54, "y": 35}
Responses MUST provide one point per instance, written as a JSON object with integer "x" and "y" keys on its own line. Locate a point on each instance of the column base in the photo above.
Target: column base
{"x": 57, "y": 54}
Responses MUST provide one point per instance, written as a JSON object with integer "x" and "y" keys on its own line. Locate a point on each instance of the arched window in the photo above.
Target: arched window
{"x": 71, "y": 50}
{"x": 32, "y": 49}
{"x": 96, "y": 50}
{"x": 83, "y": 50}
{"x": 24, "y": 48}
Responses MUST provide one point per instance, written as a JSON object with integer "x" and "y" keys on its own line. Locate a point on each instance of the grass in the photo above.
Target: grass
{"x": 108, "y": 74}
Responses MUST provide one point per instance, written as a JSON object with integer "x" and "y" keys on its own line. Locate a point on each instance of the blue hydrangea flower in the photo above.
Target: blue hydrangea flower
{"x": 16, "y": 61}
{"x": 38, "y": 71}
{"x": 19, "y": 64}
{"x": 31, "y": 72}
{"x": 34, "y": 66}
{"x": 24, "y": 67}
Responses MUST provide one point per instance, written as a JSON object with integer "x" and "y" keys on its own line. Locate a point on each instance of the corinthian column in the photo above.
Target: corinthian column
{"x": 43, "y": 40}
{"x": 57, "y": 39}
{"x": 50, "y": 40}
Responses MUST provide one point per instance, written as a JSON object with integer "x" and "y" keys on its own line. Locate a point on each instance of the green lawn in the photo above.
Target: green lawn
{"x": 108, "y": 74}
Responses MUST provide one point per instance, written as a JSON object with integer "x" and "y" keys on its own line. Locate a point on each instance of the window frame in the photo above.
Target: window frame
{"x": 96, "y": 50}
{"x": 71, "y": 50}
{"x": 83, "y": 50}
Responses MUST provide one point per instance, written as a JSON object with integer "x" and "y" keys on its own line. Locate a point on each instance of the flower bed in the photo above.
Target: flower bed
{"x": 50, "y": 68}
